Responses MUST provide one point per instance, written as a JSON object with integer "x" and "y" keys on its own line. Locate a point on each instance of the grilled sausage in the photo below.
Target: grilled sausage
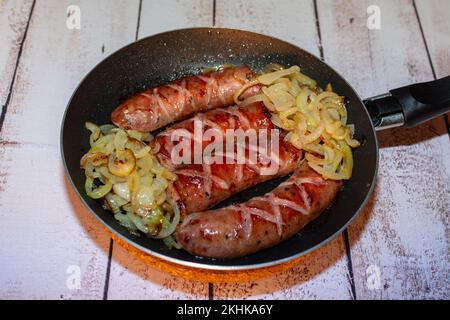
{"x": 261, "y": 222}
{"x": 177, "y": 100}
{"x": 199, "y": 187}
{"x": 254, "y": 116}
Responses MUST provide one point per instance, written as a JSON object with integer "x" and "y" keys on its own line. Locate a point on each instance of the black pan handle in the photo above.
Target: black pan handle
{"x": 410, "y": 105}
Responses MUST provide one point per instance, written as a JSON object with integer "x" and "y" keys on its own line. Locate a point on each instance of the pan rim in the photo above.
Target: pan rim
{"x": 218, "y": 266}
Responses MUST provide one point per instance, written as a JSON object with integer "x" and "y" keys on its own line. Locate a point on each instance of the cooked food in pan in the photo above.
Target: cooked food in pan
{"x": 316, "y": 120}
{"x": 177, "y": 100}
{"x": 122, "y": 172}
{"x": 166, "y": 185}
{"x": 261, "y": 222}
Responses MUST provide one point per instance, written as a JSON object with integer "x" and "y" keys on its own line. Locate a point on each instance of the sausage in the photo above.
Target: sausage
{"x": 254, "y": 116}
{"x": 261, "y": 222}
{"x": 177, "y": 100}
{"x": 199, "y": 187}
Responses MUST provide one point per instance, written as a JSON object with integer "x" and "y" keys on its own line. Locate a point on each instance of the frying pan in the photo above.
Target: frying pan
{"x": 167, "y": 56}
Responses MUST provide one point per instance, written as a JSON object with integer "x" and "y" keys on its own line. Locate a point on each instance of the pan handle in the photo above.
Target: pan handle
{"x": 410, "y": 105}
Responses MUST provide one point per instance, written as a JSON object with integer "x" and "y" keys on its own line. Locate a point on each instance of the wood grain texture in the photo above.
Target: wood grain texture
{"x": 13, "y": 21}
{"x": 131, "y": 277}
{"x": 435, "y": 18}
{"x": 162, "y": 15}
{"x": 292, "y": 21}
{"x": 45, "y": 231}
{"x": 325, "y": 275}
{"x": 55, "y": 59}
{"x": 44, "y": 228}
{"x": 403, "y": 233}
{"x": 321, "y": 275}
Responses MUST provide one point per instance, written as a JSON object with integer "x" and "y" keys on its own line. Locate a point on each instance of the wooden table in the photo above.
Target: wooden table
{"x": 398, "y": 248}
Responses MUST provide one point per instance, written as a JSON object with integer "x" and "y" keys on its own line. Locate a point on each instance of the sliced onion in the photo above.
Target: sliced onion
{"x": 94, "y": 158}
{"x": 125, "y": 221}
{"x": 315, "y": 120}
{"x": 139, "y": 148}
{"x": 106, "y": 128}
{"x": 305, "y": 80}
{"x": 271, "y": 67}
{"x": 171, "y": 243}
{"x": 96, "y": 192}
{"x": 238, "y": 93}
{"x": 144, "y": 197}
{"x": 281, "y": 99}
{"x": 115, "y": 202}
{"x": 252, "y": 99}
{"x": 137, "y": 221}
{"x": 95, "y": 131}
{"x": 144, "y": 165}
{"x": 122, "y": 163}
{"x": 122, "y": 190}
{"x": 269, "y": 78}
{"x": 120, "y": 139}
{"x": 171, "y": 226}
{"x": 135, "y": 134}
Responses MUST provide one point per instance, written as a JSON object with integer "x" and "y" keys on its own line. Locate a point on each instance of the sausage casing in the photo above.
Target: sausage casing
{"x": 177, "y": 100}
{"x": 261, "y": 222}
{"x": 254, "y": 116}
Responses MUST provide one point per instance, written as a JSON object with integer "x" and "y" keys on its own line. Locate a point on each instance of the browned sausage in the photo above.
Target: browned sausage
{"x": 254, "y": 116}
{"x": 199, "y": 187}
{"x": 260, "y": 223}
{"x": 177, "y": 100}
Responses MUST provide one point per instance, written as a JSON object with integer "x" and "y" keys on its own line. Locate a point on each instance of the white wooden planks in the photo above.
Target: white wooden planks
{"x": 400, "y": 242}
{"x": 47, "y": 237}
{"x": 134, "y": 278}
{"x": 45, "y": 231}
{"x": 321, "y": 275}
{"x": 324, "y": 274}
{"x": 162, "y": 15}
{"x": 131, "y": 277}
{"x": 55, "y": 59}
{"x": 13, "y": 21}
{"x": 403, "y": 233}
{"x": 435, "y": 18}
{"x": 292, "y": 21}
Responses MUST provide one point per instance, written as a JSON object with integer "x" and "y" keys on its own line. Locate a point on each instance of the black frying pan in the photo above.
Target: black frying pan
{"x": 164, "y": 57}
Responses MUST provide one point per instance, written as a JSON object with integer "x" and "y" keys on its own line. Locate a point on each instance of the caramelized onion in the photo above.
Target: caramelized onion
{"x": 315, "y": 120}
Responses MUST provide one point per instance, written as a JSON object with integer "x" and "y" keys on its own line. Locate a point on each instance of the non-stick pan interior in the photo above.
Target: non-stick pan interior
{"x": 161, "y": 58}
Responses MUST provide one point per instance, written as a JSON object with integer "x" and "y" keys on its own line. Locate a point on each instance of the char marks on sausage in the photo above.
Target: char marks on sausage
{"x": 261, "y": 222}
{"x": 177, "y": 100}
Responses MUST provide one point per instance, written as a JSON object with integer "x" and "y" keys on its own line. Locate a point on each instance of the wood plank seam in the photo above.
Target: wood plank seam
{"x": 447, "y": 125}
{"x": 13, "y": 79}
{"x": 423, "y": 39}
{"x": 319, "y": 35}
{"x": 110, "y": 273}
{"x": 214, "y": 14}
{"x": 108, "y": 269}
{"x": 138, "y": 20}
{"x": 345, "y": 233}
{"x": 135, "y": 276}
{"x": 210, "y": 291}
{"x": 351, "y": 278}
{"x": 111, "y": 242}
{"x": 210, "y": 284}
